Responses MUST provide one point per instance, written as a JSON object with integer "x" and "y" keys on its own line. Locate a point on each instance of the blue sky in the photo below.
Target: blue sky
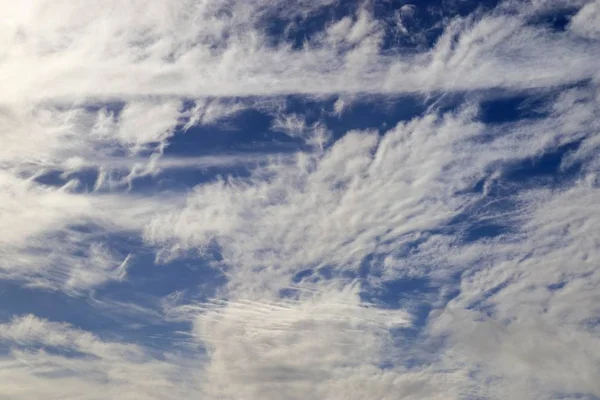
{"x": 330, "y": 199}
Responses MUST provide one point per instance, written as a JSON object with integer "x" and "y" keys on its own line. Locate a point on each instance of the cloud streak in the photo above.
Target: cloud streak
{"x": 195, "y": 49}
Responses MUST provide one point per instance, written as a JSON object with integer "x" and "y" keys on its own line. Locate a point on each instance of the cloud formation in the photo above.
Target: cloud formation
{"x": 56, "y": 361}
{"x": 451, "y": 254}
{"x": 112, "y": 50}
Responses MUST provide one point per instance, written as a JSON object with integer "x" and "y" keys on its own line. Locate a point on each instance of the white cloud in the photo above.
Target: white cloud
{"x": 45, "y": 240}
{"x": 297, "y": 348}
{"x": 587, "y": 21}
{"x": 372, "y": 196}
{"x": 196, "y": 49}
{"x": 56, "y": 361}
{"x": 365, "y": 195}
{"x": 209, "y": 111}
{"x": 147, "y": 123}
{"x": 42, "y": 239}
{"x": 325, "y": 210}
{"x": 99, "y": 86}
{"x": 533, "y": 300}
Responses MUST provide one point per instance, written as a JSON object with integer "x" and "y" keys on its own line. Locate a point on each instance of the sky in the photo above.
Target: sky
{"x": 301, "y": 199}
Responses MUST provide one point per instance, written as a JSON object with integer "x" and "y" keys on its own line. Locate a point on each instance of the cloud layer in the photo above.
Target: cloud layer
{"x": 449, "y": 254}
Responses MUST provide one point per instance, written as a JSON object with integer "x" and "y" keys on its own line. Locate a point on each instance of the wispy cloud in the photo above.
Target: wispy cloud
{"x": 222, "y": 48}
{"x": 496, "y": 220}
{"x": 69, "y": 363}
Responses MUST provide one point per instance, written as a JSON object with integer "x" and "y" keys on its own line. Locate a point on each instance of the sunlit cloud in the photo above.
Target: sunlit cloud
{"x": 309, "y": 199}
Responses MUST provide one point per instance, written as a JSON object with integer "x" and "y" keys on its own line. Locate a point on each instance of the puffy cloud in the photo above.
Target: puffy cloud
{"x": 297, "y": 348}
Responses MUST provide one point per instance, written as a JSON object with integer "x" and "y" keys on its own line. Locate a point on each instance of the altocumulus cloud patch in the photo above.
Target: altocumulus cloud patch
{"x": 224, "y": 199}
